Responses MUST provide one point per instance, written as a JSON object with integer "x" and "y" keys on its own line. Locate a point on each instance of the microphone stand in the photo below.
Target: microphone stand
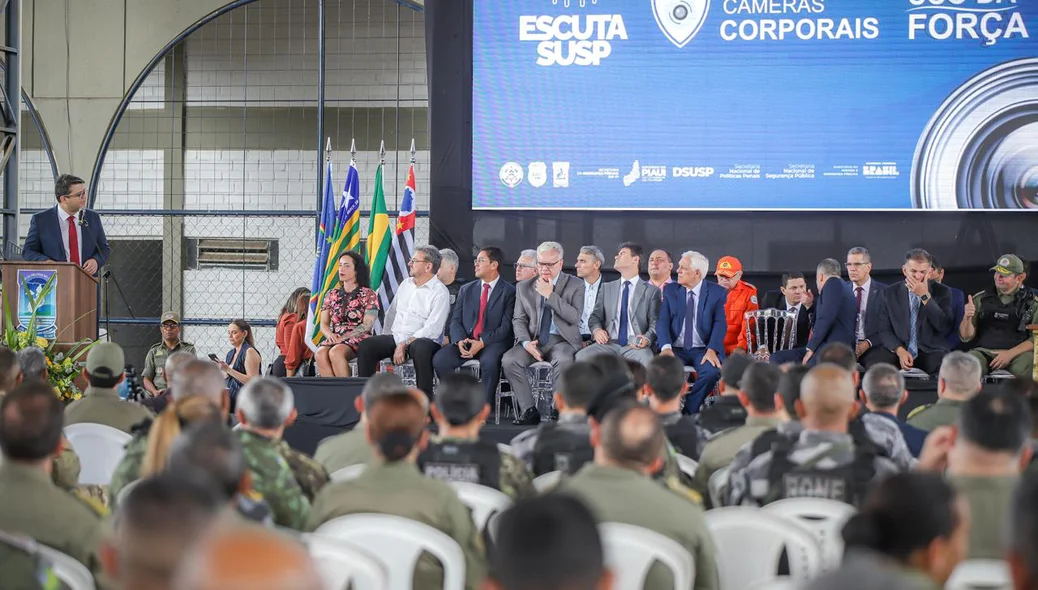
{"x": 105, "y": 273}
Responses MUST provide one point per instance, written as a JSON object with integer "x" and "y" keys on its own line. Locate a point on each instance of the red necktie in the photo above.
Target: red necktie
{"x": 857, "y": 318}
{"x": 482, "y": 311}
{"x": 73, "y": 241}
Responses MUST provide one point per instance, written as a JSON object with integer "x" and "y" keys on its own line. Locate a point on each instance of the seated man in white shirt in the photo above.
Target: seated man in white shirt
{"x": 414, "y": 322}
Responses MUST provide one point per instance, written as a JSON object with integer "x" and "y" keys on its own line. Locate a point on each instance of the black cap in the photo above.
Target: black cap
{"x": 733, "y": 369}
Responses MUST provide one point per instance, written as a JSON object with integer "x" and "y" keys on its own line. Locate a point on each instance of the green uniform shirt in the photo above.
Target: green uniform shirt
{"x": 942, "y": 413}
{"x": 23, "y": 568}
{"x": 273, "y": 478}
{"x": 129, "y": 469}
{"x": 990, "y": 499}
{"x": 1005, "y": 299}
{"x": 155, "y": 361}
{"x": 103, "y": 406}
{"x": 310, "y": 475}
{"x": 621, "y": 495}
{"x": 343, "y": 450}
{"x": 399, "y": 489}
{"x": 720, "y": 451}
{"x": 33, "y": 506}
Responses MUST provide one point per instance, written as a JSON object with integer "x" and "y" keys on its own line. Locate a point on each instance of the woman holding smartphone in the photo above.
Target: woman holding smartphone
{"x": 243, "y": 361}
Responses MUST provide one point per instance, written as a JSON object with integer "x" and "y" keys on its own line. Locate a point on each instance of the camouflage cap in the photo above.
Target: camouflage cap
{"x": 1009, "y": 264}
{"x": 170, "y": 316}
{"x": 105, "y": 359}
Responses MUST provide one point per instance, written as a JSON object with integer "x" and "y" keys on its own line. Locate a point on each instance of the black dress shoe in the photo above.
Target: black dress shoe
{"x": 531, "y": 417}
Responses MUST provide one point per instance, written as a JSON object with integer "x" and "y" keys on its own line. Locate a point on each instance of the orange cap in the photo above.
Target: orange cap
{"x": 727, "y": 266}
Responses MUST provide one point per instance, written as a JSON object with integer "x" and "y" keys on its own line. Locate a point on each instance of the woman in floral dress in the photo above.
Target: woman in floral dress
{"x": 347, "y": 315}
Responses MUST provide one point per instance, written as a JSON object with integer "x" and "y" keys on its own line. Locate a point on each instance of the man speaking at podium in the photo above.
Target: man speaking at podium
{"x": 68, "y": 232}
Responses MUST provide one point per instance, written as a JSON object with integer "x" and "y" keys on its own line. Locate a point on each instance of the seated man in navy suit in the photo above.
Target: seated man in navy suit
{"x": 68, "y": 232}
{"x": 835, "y": 311}
{"x": 958, "y": 304}
{"x": 692, "y": 325}
{"x": 481, "y": 325}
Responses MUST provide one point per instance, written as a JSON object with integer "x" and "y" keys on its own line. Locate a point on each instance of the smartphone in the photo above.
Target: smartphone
{"x": 213, "y": 358}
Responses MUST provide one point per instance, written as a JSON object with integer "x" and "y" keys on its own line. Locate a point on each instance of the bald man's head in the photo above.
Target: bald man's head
{"x": 826, "y": 398}
{"x": 242, "y": 557}
{"x": 631, "y": 437}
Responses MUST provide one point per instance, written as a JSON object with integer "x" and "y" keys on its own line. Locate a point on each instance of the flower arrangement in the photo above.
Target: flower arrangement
{"x": 63, "y": 366}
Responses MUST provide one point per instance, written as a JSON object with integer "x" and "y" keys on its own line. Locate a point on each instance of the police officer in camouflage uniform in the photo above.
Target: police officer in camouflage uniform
{"x": 563, "y": 445}
{"x": 957, "y": 381}
{"x": 31, "y": 419}
{"x": 265, "y": 406}
{"x": 824, "y": 460}
{"x": 154, "y": 374}
{"x": 392, "y": 484}
{"x": 995, "y": 321}
{"x": 195, "y": 378}
{"x": 457, "y": 453}
{"x": 351, "y": 447}
{"x": 23, "y": 568}
{"x": 617, "y": 488}
{"x": 100, "y": 403}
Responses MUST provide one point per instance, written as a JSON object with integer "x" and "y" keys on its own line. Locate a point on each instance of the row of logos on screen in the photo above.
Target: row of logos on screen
{"x": 558, "y": 174}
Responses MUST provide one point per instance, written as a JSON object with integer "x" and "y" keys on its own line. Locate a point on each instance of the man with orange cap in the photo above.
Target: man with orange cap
{"x": 742, "y": 297}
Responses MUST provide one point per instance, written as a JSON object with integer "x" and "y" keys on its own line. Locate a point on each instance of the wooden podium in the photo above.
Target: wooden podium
{"x": 1034, "y": 334}
{"x": 75, "y": 296}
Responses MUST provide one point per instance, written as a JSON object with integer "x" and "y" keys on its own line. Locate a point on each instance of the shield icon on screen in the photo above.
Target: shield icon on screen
{"x": 680, "y": 20}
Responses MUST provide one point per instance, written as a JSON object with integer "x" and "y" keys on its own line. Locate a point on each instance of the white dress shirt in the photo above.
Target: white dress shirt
{"x": 614, "y": 330}
{"x": 793, "y": 308}
{"x": 590, "y": 294}
{"x": 864, "y": 305}
{"x": 697, "y": 340}
{"x": 63, "y": 225}
{"x": 421, "y": 312}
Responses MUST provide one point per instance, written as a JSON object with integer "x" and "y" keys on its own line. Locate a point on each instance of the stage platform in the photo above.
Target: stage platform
{"x": 326, "y": 408}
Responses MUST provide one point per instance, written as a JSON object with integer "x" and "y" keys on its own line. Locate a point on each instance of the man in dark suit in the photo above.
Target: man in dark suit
{"x": 481, "y": 325}
{"x": 623, "y": 320}
{"x": 546, "y": 321}
{"x": 866, "y": 300}
{"x": 834, "y": 315}
{"x": 68, "y": 232}
{"x": 793, "y": 296}
{"x": 914, "y": 316}
{"x": 958, "y": 304}
{"x": 692, "y": 325}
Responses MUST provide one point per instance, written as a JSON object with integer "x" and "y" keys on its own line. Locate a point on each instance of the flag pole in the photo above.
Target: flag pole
{"x": 412, "y": 151}
{"x": 353, "y": 151}
{"x": 382, "y": 153}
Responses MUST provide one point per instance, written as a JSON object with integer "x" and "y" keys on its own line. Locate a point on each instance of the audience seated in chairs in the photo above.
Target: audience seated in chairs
{"x": 617, "y": 488}
{"x": 157, "y": 523}
{"x": 957, "y": 381}
{"x": 911, "y": 526}
{"x": 348, "y": 314}
{"x": 883, "y": 393}
{"x": 548, "y": 543}
{"x": 563, "y": 445}
{"x": 391, "y": 484}
{"x": 458, "y": 453}
{"x": 991, "y": 449}
{"x": 100, "y": 403}
{"x": 414, "y": 323}
{"x": 352, "y": 447}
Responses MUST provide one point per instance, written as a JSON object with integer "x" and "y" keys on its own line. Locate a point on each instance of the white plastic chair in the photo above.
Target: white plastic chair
{"x": 779, "y": 583}
{"x": 484, "y": 502}
{"x": 750, "y": 541}
{"x": 348, "y": 473}
{"x": 343, "y": 565}
{"x": 67, "y": 569}
{"x": 631, "y": 550}
{"x": 718, "y": 486}
{"x": 687, "y": 465}
{"x": 825, "y": 518}
{"x": 399, "y": 542}
{"x": 100, "y": 449}
{"x": 974, "y": 574}
{"x": 547, "y": 481}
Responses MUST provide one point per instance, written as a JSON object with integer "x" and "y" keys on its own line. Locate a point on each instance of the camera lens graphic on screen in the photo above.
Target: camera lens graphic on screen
{"x": 980, "y": 149}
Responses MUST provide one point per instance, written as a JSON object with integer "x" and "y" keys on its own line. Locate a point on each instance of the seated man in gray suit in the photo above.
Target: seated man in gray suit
{"x": 547, "y": 326}
{"x": 624, "y": 319}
